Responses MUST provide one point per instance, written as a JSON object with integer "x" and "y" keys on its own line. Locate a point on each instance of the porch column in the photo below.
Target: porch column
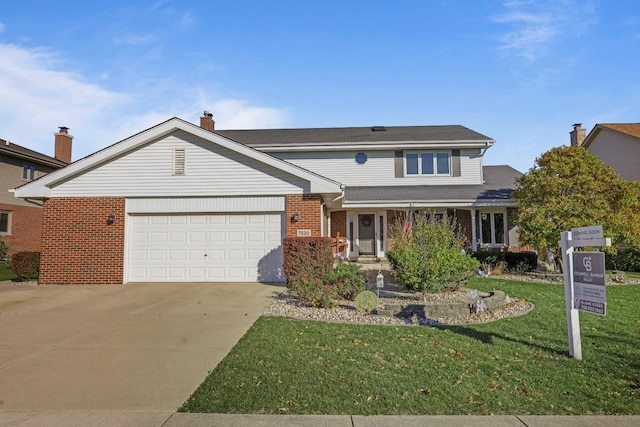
{"x": 474, "y": 234}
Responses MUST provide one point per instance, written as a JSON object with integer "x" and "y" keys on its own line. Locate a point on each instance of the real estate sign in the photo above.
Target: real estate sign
{"x": 589, "y": 282}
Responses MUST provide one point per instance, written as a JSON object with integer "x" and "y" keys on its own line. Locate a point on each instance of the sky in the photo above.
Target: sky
{"x": 519, "y": 71}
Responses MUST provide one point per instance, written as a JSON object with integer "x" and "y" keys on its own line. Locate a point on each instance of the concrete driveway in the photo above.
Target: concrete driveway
{"x": 133, "y": 347}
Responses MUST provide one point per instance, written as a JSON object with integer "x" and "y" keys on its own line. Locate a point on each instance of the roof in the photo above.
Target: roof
{"x": 499, "y": 183}
{"x": 14, "y": 150}
{"x": 41, "y": 187}
{"x": 631, "y": 129}
{"x": 374, "y": 135}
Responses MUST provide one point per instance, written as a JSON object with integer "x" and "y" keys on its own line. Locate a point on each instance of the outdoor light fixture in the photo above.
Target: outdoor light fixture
{"x": 296, "y": 217}
{"x": 111, "y": 219}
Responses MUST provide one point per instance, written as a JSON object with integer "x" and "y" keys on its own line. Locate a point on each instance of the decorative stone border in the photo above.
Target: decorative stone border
{"x": 492, "y": 300}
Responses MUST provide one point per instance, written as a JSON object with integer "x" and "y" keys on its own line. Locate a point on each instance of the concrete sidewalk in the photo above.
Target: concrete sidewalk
{"x": 137, "y": 347}
{"x": 167, "y": 419}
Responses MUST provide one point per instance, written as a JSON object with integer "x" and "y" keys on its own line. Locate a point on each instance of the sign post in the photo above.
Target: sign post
{"x": 577, "y": 237}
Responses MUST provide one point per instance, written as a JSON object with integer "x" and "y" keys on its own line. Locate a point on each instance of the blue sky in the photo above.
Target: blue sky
{"x": 519, "y": 71}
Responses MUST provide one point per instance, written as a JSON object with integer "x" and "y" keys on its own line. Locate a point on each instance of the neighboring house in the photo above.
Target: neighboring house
{"x": 180, "y": 202}
{"x": 616, "y": 144}
{"x": 21, "y": 219}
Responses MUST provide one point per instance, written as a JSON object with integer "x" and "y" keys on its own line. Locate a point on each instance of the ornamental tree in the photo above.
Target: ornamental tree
{"x": 570, "y": 187}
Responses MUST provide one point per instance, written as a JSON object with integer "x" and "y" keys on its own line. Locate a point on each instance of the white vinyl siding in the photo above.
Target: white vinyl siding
{"x": 210, "y": 170}
{"x": 167, "y": 205}
{"x": 380, "y": 168}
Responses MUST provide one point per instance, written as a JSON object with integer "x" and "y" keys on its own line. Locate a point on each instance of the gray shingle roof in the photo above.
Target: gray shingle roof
{"x": 499, "y": 184}
{"x": 343, "y": 136}
{"x": 14, "y": 150}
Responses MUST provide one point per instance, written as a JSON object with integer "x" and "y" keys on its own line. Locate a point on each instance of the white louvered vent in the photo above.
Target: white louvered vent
{"x": 178, "y": 161}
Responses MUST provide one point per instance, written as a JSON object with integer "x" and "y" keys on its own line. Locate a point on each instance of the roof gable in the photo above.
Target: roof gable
{"x": 11, "y": 149}
{"x": 42, "y": 187}
{"x": 631, "y": 129}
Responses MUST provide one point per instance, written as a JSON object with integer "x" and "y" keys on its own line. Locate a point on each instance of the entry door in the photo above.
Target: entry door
{"x": 366, "y": 234}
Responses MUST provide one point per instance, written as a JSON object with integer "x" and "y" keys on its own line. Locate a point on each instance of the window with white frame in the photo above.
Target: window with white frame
{"x": 430, "y": 163}
{"x": 5, "y": 222}
{"x": 490, "y": 227}
{"x": 28, "y": 172}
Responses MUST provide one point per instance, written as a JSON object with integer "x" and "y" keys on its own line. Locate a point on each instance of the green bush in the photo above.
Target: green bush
{"x": 314, "y": 292}
{"x": 366, "y": 302}
{"x": 307, "y": 258}
{"x": 431, "y": 258}
{"x": 347, "y": 280}
{"x": 521, "y": 261}
{"x": 625, "y": 260}
{"x": 3, "y": 249}
{"x": 26, "y": 265}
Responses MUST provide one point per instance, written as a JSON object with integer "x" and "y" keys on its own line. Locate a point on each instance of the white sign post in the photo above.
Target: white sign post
{"x": 577, "y": 237}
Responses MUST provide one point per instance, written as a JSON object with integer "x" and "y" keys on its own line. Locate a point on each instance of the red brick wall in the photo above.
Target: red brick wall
{"x": 79, "y": 247}
{"x": 339, "y": 223}
{"x": 26, "y": 224}
{"x": 308, "y": 206}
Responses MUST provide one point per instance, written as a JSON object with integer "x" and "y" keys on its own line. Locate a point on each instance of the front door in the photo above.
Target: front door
{"x": 366, "y": 234}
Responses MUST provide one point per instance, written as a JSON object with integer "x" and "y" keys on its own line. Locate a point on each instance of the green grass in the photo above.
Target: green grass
{"x": 512, "y": 366}
{"x": 6, "y": 273}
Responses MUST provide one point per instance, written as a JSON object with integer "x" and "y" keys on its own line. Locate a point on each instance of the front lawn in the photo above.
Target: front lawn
{"x": 6, "y": 273}
{"x": 511, "y": 366}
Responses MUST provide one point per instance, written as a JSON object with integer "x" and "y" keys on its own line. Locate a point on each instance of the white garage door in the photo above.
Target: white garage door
{"x": 205, "y": 248}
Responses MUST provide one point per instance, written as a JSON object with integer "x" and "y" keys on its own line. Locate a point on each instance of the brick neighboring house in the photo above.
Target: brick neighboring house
{"x": 616, "y": 144}
{"x": 185, "y": 203}
{"x": 21, "y": 219}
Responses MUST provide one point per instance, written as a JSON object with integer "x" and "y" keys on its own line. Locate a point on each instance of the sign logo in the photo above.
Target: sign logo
{"x": 586, "y": 261}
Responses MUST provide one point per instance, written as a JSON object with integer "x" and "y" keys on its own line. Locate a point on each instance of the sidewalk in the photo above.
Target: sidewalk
{"x": 170, "y": 419}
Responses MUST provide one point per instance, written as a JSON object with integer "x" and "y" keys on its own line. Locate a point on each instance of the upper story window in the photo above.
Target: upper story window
{"x": 5, "y": 222}
{"x": 428, "y": 163}
{"x": 28, "y": 172}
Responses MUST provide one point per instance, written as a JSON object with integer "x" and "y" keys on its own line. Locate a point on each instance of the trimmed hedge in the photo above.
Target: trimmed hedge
{"x": 26, "y": 265}
{"x": 515, "y": 261}
{"x": 307, "y": 258}
{"x": 625, "y": 260}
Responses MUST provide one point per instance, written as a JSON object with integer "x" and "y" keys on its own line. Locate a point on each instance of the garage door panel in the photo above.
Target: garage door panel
{"x": 242, "y": 247}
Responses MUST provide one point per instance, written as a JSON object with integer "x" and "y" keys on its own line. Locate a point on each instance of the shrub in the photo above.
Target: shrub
{"x": 625, "y": 260}
{"x": 26, "y": 265}
{"x": 307, "y": 258}
{"x": 521, "y": 261}
{"x": 366, "y": 302}
{"x": 3, "y": 249}
{"x": 431, "y": 258}
{"x": 314, "y": 292}
{"x": 347, "y": 280}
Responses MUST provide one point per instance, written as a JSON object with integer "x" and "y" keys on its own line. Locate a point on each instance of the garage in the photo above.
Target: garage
{"x": 206, "y": 248}
{"x": 235, "y": 240}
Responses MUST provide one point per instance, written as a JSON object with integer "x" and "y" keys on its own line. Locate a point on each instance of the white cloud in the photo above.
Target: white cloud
{"x": 39, "y": 95}
{"x": 535, "y": 26}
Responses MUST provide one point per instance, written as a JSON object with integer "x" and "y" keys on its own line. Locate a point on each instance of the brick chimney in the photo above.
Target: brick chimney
{"x": 63, "y": 145}
{"x": 206, "y": 121}
{"x": 577, "y": 135}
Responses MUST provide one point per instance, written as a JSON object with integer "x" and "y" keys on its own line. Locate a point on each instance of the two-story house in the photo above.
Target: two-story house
{"x": 180, "y": 202}
{"x": 21, "y": 219}
{"x": 616, "y": 144}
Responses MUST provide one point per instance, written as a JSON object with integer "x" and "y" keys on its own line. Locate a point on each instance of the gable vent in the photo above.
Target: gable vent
{"x": 178, "y": 161}
{"x": 378, "y": 129}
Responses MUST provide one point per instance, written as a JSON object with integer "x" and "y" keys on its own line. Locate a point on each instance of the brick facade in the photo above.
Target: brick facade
{"x": 308, "y": 206}
{"x": 79, "y": 246}
{"x": 26, "y": 224}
